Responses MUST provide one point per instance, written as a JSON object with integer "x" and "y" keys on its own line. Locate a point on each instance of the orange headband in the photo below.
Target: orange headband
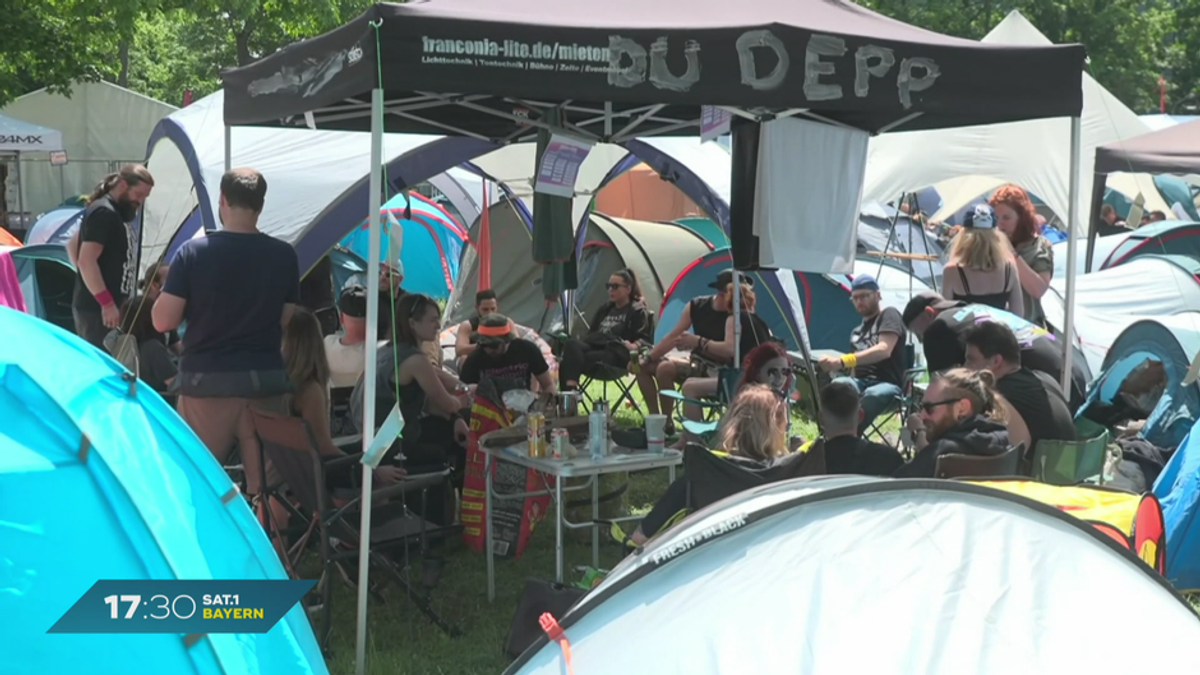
{"x": 494, "y": 331}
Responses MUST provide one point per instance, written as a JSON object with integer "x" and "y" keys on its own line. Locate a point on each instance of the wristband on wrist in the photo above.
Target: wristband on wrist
{"x": 849, "y": 361}
{"x": 104, "y": 298}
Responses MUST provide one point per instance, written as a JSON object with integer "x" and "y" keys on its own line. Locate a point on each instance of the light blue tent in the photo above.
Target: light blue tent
{"x": 1178, "y": 490}
{"x": 1170, "y": 341}
{"x": 100, "y": 479}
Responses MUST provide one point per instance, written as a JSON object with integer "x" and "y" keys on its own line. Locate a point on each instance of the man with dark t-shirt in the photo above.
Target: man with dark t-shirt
{"x": 237, "y": 289}
{"x": 845, "y": 451}
{"x": 875, "y": 364}
{"x": 105, "y": 252}
{"x": 940, "y": 325}
{"x": 506, "y": 360}
{"x": 1034, "y": 396}
{"x": 705, "y": 316}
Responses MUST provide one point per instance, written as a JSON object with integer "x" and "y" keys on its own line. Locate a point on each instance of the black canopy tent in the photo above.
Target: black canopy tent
{"x": 630, "y": 67}
{"x": 1173, "y": 150}
{"x": 616, "y": 70}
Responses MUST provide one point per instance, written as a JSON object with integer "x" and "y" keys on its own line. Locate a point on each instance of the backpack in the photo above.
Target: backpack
{"x": 124, "y": 348}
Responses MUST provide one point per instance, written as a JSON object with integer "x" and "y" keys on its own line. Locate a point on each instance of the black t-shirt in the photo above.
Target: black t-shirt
{"x": 853, "y": 455}
{"x": 867, "y": 335}
{"x": 515, "y": 368}
{"x": 236, "y": 286}
{"x": 631, "y": 323}
{"x": 1040, "y": 402}
{"x": 707, "y": 322}
{"x": 103, "y": 224}
{"x": 1040, "y": 350}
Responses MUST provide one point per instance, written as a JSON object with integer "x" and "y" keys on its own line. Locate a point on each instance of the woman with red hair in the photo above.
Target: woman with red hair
{"x": 1034, "y": 258}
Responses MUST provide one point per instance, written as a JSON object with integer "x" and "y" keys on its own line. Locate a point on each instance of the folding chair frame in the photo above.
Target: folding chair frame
{"x": 318, "y": 514}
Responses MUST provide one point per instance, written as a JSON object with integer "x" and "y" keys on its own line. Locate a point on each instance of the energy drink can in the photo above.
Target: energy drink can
{"x": 560, "y": 443}
{"x": 536, "y": 425}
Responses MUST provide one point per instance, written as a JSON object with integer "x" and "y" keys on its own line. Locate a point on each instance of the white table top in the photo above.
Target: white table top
{"x": 618, "y": 460}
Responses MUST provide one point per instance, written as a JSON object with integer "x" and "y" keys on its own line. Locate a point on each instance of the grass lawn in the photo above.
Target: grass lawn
{"x": 401, "y": 640}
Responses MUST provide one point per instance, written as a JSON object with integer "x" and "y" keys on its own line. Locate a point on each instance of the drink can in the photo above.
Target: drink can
{"x": 560, "y": 443}
{"x": 536, "y": 424}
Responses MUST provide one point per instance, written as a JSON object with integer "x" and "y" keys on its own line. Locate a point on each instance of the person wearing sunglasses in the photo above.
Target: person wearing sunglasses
{"x": 619, "y": 328}
{"x": 507, "y": 361}
{"x": 960, "y": 414}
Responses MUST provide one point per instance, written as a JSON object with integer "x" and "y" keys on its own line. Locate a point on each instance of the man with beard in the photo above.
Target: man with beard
{"x": 958, "y": 416}
{"x": 875, "y": 364}
{"x": 105, "y": 253}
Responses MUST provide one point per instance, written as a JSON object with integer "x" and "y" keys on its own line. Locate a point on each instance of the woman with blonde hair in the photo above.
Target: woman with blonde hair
{"x": 753, "y": 431}
{"x": 308, "y": 370}
{"x": 1017, "y": 220}
{"x": 981, "y": 269}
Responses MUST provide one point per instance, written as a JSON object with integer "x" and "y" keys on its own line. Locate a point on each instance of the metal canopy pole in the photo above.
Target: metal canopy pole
{"x": 369, "y": 373}
{"x": 1072, "y": 245}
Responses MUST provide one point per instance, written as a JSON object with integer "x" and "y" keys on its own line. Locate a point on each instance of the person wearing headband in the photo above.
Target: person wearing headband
{"x": 981, "y": 268}
{"x": 509, "y": 361}
{"x": 875, "y": 364}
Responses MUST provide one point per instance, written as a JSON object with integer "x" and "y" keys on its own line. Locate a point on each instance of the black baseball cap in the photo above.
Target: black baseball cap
{"x": 920, "y": 302}
{"x": 725, "y": 277}
{"x": 353, "y": 302}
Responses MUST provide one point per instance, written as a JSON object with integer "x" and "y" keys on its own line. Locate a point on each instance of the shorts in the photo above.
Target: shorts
{"x": 686, "y": 370}
{"x": 220, "y": 424}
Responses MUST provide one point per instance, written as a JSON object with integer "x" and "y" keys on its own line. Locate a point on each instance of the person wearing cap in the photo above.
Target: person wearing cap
{"x": 705, "y": 317}
{"x": 941, "y": 325}
{"x": 510, "y": 362}
{"x": 346, "y": 351}
{"x": 981, "y": 269}
{"x": 464, "y": 344}
{"x": 875, "y": 366}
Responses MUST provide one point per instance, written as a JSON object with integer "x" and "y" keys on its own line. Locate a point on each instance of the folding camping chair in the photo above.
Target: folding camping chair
{"x": 710, "y": 476}
{"x": 905, "y": 404}
{"x": 711, "y": 406}
{"x": 606, "y": 375}
{"x": 1071, "y": 462}
{"x": 288, "y": 444}
{"x": 956, "y": 465}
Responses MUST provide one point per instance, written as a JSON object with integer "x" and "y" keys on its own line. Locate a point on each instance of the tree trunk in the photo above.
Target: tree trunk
{"x": 123, "y": 57}
{"x": 243, "y": 47}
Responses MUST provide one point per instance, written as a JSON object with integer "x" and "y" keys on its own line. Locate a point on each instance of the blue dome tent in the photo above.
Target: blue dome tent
{"x": 47, "y": 280}
{"x": 1170, "y": 342}
{"x": 55, "y": 226}
{"x": 1178, "y": 490}
{"x": 432, "y": 243}
{"x": 100, "y": 479}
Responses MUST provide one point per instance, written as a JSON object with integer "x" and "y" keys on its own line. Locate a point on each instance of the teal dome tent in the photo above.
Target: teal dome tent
{"x": 100, "y": 479}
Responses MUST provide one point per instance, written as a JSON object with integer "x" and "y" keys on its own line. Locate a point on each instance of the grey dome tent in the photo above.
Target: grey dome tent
{"x": 656, "y": 252}
{"x": 848, "y": 574}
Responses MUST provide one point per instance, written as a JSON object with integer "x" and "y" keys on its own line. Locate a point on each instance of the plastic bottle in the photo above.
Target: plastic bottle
{"x": 598, "y": 430}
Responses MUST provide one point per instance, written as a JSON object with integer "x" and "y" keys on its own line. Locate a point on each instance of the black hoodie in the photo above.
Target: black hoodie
{"x": 974, "y": 435}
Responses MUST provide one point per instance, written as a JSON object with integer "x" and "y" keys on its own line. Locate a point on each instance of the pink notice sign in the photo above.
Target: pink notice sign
{"x": 560, "y": 165}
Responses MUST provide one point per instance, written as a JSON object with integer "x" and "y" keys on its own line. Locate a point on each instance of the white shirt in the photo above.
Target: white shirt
{"x": 346, "y": 362}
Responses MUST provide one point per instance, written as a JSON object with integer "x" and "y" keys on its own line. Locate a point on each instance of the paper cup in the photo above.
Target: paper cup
{"x": 656, "y": 432}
